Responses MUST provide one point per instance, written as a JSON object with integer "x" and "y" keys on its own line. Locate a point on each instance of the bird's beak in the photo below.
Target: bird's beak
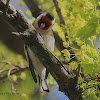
{"x": 42, "y": 25}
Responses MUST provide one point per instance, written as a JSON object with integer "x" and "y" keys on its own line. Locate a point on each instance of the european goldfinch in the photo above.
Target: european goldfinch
{"x": 43, "y": 25}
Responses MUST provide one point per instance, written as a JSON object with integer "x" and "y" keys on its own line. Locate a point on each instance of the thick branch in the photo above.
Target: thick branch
{"x": 67, "y": 81}
{"x": 33, "y": 7}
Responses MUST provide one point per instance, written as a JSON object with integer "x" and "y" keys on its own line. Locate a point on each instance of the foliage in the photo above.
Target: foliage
{"x": 82, "y": 19}
{"x": 82, "y": 25}
{"x": 21, "y": 3}
{"x": 7, "y": 54}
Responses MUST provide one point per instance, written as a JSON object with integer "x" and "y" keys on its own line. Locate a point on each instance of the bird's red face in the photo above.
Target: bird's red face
{"x": 44, "y": 23}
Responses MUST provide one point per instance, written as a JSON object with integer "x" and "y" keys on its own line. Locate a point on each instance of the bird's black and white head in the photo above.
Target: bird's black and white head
{"x": 45, "y": 21}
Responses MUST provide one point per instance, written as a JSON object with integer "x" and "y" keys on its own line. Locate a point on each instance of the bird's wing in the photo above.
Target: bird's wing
{"x": 47, "y": 72}
{"x": 30, "y": 64}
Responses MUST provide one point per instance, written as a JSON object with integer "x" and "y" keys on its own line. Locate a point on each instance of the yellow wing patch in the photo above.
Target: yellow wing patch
{"x": 25, "y": 50}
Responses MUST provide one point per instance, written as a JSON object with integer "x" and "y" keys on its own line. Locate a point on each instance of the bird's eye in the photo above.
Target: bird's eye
{"x": 47, "y": 25}
{"x": 41, "y": 20}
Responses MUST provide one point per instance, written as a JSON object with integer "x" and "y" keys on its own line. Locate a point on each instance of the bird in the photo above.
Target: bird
{"x": 43, "y": 25}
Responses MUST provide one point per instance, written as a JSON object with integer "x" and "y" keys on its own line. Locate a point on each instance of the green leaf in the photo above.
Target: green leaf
{"x": 90, "y": 69}
{"x": 89, "y": 29}
{"x": 90, "y": 61}
{"x": 28, "y": 12}
{"x": 21, "y": 3}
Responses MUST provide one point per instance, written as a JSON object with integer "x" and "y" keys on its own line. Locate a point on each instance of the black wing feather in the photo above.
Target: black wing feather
{"x": 47, "y": 72}
{"x": 31, "y": 67}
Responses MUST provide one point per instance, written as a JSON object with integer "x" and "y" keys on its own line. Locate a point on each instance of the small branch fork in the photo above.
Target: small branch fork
{"x": 59, "y": 12}
{"x": 12, "y": 82}
{"x": 60, "y": 15}
{"x": 6, "y": 7}
{"x": 15, "y": 69}
{"x": 8, "y": 63}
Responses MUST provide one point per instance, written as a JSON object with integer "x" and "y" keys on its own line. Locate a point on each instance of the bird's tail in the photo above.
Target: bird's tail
{"x": 43, "y": 85}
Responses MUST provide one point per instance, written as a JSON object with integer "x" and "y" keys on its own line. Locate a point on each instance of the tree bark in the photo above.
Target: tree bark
{"x": 68, "y": 82}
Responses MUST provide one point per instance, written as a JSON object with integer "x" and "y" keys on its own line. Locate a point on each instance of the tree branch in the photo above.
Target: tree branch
{"x": 59, "y": 12}
{"x": 8, "y": 63}
{"x": 67, "y": 81}
{"x": 15, "y": 68}
{"x": 63, "y": 23}
{"x": 12, "y": 83}
{"x": 33, "y": 8}
{"x": 6, "y": 7}
{"x": 14, "y": 72}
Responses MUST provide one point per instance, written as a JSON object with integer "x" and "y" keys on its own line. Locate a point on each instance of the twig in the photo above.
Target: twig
{"x": 2, "y": 55}
{"x": 90, "y": 86}
{"x": 14, "y": 72}
{"x": 8, "y": 63}
{"x": 16, "y": 68}
{"x": 79, "y": 70}
{"x": 60, "y": 16}
{"x": 12, "y": 83}
{"x": 6, "y": 7}
{"x": 1, "y": 71}
{"x": 59, "y": 12}
{"x": 94, "y": 85}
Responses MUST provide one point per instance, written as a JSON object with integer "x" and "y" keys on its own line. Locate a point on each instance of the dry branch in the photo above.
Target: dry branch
{"x": 66, "y": 80}
{"x": 12, "y": 83}
{"x": 14, "y": 72}
{"x": 15, "y": 69}
{"x": 8, "y": 63}
{"x": 59, "y": 12}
